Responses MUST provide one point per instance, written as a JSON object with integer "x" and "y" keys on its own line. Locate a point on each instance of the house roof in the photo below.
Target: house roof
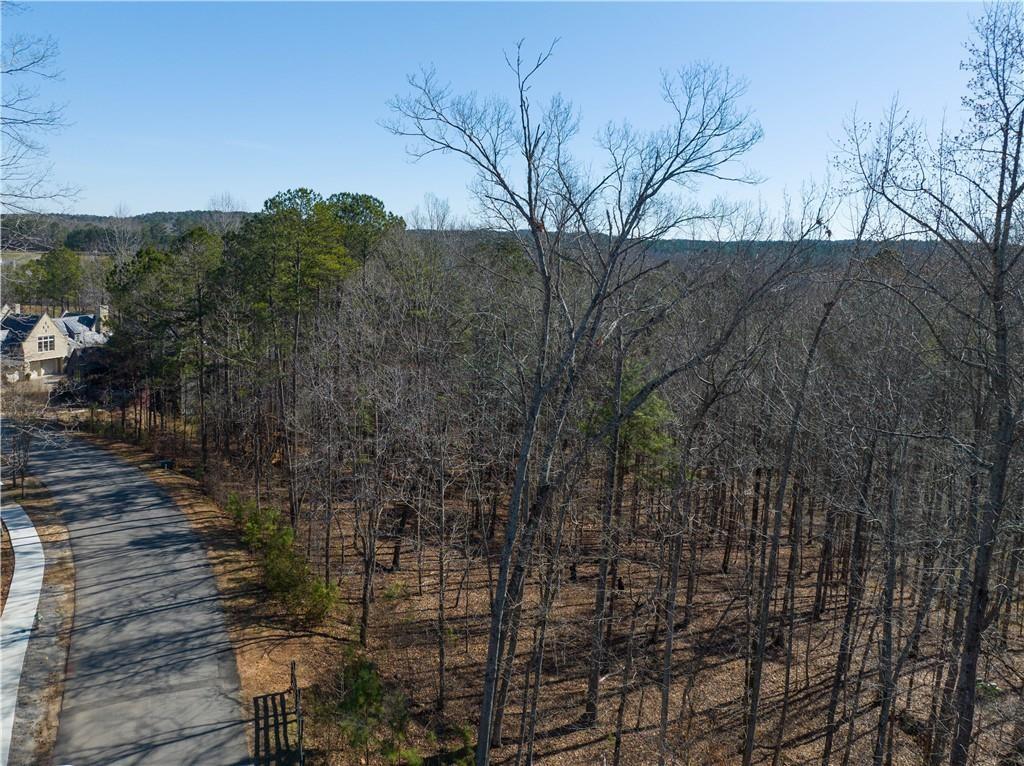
{"x": 87, "y": 338}
{"x": 79, "y": 329}
{"x": 86, "y": 320}
{"x": 74, "y": 325}
{"x": 15, "y": 328}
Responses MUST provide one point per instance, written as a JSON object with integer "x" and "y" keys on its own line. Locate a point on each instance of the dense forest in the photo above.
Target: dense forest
{"x": 607, "y": 493}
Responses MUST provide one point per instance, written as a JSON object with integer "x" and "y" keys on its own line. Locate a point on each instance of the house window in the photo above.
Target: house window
{"x": 46, "y": 342}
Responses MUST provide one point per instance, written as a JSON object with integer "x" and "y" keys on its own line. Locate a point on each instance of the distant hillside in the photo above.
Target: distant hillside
{"x": 97, "y": 233}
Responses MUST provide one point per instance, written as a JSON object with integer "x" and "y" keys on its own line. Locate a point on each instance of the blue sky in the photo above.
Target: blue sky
{"x": 172, "y": 103}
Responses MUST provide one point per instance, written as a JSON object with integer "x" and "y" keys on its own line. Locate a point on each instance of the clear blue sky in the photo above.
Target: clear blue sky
{"x": 172, "y": 103}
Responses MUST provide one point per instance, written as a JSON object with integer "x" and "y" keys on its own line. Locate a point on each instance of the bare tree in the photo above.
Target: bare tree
{"x": 25, "y": 118}
{"x": 965, "y": 195}
{"x": 572, "y": 225}
{"x": 123, "y": 237}
{"x": 221, "y": 206}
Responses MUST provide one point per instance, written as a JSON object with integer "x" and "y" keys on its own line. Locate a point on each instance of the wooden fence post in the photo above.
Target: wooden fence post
{"x": 298, "y": 718}
{"x": 297, "y": 697}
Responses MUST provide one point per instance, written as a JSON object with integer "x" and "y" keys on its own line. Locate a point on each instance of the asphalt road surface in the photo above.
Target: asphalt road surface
{"x": 151, "y": 678}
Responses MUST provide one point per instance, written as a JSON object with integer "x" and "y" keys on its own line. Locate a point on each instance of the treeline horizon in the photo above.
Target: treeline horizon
{"x": 96, "y": 234}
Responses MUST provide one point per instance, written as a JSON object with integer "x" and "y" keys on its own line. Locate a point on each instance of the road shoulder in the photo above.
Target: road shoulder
{"x": 42, "y": 677}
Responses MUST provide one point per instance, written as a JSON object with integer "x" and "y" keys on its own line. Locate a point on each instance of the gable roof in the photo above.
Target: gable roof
{"x": 15, "y": 328}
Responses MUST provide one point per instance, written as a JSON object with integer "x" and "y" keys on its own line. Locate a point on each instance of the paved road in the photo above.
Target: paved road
{"x": 151, "y": 676}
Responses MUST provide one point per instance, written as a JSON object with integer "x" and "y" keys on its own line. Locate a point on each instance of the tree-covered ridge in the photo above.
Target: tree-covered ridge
{"x": 99, "y": 234}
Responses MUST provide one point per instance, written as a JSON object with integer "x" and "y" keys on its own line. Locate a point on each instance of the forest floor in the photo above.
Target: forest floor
{"x": 706, "y": 710}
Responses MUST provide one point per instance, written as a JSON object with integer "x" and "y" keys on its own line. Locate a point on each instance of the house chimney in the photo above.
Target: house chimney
{"x": 16, "y": 309}
{"x": 100, "y": 319}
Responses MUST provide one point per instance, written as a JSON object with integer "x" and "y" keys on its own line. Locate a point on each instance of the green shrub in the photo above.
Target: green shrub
{"x": 396, "y": 591}
{"x": 319, "y": 599}
{"x": 404, "y": 756}
{"x": 260, "y": 526}
{"x": 369, "y": 715}
{"x": 237, "y": 508}
{"x": 988, "y": 690}
{"x": 285, "y": 572}
{"x": 465, "y": 755}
